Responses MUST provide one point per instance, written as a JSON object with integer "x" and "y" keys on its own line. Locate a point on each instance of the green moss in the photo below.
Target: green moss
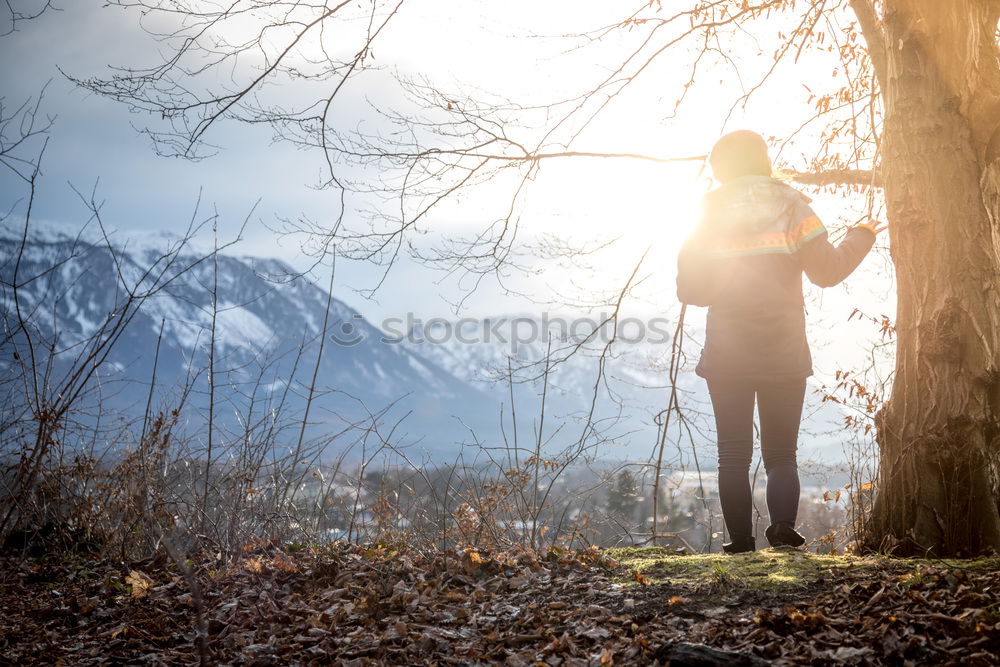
{"x": 771, "y": 570}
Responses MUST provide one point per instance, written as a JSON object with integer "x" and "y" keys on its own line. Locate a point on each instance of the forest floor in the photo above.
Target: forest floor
{"x": 349, "y": 605}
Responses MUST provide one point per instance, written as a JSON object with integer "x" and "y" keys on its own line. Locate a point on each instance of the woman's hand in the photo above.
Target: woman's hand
{"x": 874, "y": 226}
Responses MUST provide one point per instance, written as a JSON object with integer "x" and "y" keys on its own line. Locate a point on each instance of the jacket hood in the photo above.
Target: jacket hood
{"x": 749, "y": 204}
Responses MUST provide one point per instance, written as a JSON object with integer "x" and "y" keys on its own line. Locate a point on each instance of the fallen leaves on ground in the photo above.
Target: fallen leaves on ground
{"x": 357, "y": 606}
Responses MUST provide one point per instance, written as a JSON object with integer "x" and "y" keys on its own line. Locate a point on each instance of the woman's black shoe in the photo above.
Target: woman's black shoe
{"x": 783, "y": 535}
{"x": 740, "y": 545}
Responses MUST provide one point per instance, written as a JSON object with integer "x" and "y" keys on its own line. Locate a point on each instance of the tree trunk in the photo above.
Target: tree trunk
{"x": 939, "y": 436}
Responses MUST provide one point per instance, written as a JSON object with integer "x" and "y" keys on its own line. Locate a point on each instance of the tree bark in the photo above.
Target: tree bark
{"x": 939, "y": 435}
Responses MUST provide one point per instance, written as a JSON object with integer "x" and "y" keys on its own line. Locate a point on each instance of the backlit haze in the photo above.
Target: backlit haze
{"x": 511, "y": 49}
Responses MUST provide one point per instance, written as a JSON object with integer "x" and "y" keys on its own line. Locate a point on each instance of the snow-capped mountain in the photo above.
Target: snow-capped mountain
{"x": 268, "y": 327}
{"x": 591, "y": 393}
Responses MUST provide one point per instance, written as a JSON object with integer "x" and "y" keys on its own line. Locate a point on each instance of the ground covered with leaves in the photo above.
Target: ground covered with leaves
{"x": 353, "y": 605}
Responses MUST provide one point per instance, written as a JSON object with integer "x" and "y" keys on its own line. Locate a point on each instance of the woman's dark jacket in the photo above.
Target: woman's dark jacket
{"x": 745, "y": 261}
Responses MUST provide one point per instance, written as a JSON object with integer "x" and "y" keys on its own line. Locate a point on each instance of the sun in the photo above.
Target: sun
{"x": 632, "y": 203}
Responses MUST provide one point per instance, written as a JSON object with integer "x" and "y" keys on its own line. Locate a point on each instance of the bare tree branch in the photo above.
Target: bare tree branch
{"x": 871, "y": 28}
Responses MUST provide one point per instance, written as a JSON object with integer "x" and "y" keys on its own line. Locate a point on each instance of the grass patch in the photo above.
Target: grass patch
{"x": 768, "y": 570}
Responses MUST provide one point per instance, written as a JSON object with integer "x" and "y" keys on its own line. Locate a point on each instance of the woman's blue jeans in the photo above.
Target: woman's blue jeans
{"x": 779, "y": 407}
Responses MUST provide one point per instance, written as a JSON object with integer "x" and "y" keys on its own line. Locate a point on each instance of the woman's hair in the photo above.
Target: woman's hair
{"x": 739, "y": 153}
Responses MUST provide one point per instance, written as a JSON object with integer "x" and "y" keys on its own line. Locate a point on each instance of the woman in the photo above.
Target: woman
{"x": 745, "y": 262}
